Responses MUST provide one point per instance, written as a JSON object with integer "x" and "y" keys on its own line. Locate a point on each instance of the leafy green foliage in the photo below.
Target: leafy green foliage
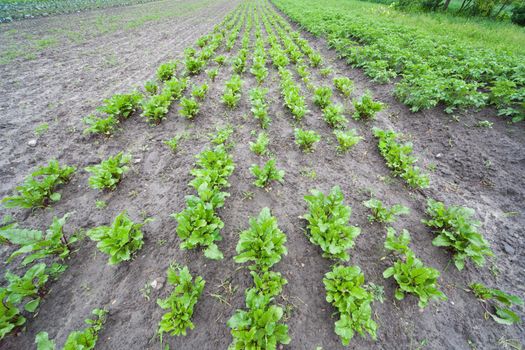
{"x": 180, "y": 302}
{"x": 214, "y": 167}
{"x": 100, "y": 125}
{"x": 121, "y": 106}
{"x": 212, "y": 73}
{"x": 156, "y": 107}
{"x": 258, "y": 327}
{"x": 151, "y": 87}
{"x": 198, "y": 225}
{"x": 260, "y": 147}
{"x": 306, "y": 139}
{"x": 38, "y": 189}
{"x": 266, "y": 174}
{"x": 222, "y": 134}
{"x": 28, "y": 286}
{"x": 500, "y": 301}
{"x": 344, "y": 85}
{"x": 292, "y": 95}
{"x": 174, "y": 88}
{"x": 366, "y": 107}
{"x": 189, "y": 107}
{"x": 322, "y": 96}
{"x": 10, "y": 316}
{"x": 109, "y": 172}
{"x": 173, "y": 143}
{"x": 347, "y": 139}
{"x": 328, "y": 223}
{"x": 194, "y": 65}
{"x": 232, "y": 92}
{"x": 259, "y": 106}
{"x": 166, "y": 70}
{"x": 85, "y": 339}
{"x": 456, "y": 229}
{"x": 220, "y": 60}
{"x": 411, "y": 275}
{"x": 333, "y": 115}
{"x": 381, "y": 213}
{"x": 37, "y": 245}
{"x": 262, "y": 244}
{"x": 345, "y": 290}
{"x": 199, "y": 92}
{"x": 120, "y": 240}
{"x": 398, "y": 158}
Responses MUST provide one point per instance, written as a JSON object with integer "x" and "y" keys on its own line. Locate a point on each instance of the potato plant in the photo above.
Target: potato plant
{"x": 456, "y": 229}
{"x": 328, "y": 227}
{"x": 260, "y": 147}
{"x": 498, "y": 300}
{"x": 85, "y": 339}
{"x": 181, "y": 301}
{"x": 347, "y": 139}
{"x": 346, "y": 291}
{"x": 382, "y": 213}
{"x": 398, "y": 158}
{"x": 411, "y": 275}
{"x": 120, "y": 240}
{"x": 306, "y": 139}
{"x": 38, "y": 189}
{"x": 109, "y": 172}
{"x": 266, "y": 174}
{"x": 366, "y": 107}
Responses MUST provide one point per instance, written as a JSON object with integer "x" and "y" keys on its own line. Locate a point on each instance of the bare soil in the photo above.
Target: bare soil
{"x": 482, "y": 168}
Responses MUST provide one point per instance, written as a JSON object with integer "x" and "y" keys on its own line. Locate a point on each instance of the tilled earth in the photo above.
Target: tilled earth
{"x": 482, "y": 168}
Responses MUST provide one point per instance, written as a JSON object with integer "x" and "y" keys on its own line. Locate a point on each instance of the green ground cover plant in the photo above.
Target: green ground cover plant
{"x": 456, "y": 230}
{"x": 328, "y": 226}
{"x": 38, "y": 189}
{"x": 109, "y": 172}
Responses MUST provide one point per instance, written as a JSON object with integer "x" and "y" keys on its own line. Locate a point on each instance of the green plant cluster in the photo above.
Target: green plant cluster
{"x": 109, "y": 172}
{"x": 382, "y": 213}
{"x": 456, "y": 229}
{"x": 38, "y": 189}
{"x": 346, "y": 291}
{"x": 260, "y": 146}
{"x": 198, "y": 223}
{"x": 306, "y": 139}
{"x": 259, "y": 106}
{"x": 120, "y": 240}
{"x": 291, "y": 93}
{"x": 115, "y": 109}
{"x": 260, "y": 326}
{"x": 398, "y": 158}
{"x": 411, "y": 275}
{"x": 499, "y": 301}
{"x": 347, "y": 139}
{"x": 433, "y": 69}
{"x": 328, "y": 227}
{"x": 267, "y": 173}
{"x": 232, "y": 92}
{"x": 180, "y": 302}
{"x": 366, "y": 107}
{"x": 85, "y": 339}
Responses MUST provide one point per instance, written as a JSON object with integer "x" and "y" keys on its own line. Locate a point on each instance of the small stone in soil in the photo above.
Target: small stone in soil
{"x": 31, "y": 143}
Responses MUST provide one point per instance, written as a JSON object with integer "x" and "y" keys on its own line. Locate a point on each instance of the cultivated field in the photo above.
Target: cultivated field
{"x": 273, "y": 151}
